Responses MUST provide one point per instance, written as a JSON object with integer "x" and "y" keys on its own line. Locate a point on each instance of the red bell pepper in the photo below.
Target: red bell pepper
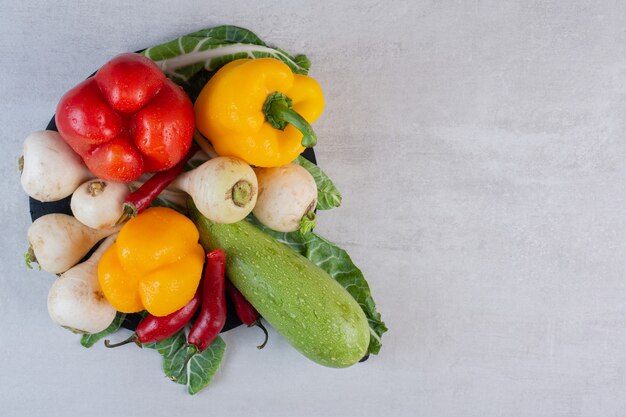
{"x": 126, "y": 120}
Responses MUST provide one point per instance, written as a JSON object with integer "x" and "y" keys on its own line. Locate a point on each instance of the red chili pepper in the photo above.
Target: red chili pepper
{"x": 142, "y": 197}
{"x": 212, "y": 317}
{"x": 213, "y": 312}
{"x": 245, "y": 311}
{"x": 154, "y": 329}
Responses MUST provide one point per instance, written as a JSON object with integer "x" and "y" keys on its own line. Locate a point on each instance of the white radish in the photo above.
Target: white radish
{"x": 51, "y": 170}
{"x": 224, "y": 189}
{"x": 76, "y": 301}
{"x": 287, "y": 198}
{"x": 58, "y": 241}
{"x": 98, "y": 203}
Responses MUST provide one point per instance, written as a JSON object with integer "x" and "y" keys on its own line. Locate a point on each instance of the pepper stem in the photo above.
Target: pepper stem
{"x": 260, "y": 325}
{"x": 131, "y": 339}
{"x": 279, "y": 112}
{"x": 129, "y": 211}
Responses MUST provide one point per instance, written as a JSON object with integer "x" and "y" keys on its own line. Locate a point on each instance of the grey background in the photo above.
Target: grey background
{"x": 479, "y": 147}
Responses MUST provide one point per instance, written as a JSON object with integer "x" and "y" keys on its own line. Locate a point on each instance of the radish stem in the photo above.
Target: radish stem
{"x": 242, "y": 193}
{"x": 307, "y": 223}
{"x": 29, "y": 258}
{"x": 96, "y": 187}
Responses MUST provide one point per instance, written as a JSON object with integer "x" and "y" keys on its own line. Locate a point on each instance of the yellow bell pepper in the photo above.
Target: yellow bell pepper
{"x": 259, "y": 111}
{"x": 155, "y": 263}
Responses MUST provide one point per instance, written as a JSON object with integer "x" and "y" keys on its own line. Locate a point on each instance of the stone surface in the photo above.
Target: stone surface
{"x": 480, "y": 150}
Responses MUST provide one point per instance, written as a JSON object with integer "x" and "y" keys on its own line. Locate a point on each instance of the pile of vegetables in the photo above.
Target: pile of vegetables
{"x": 182, "y": 168}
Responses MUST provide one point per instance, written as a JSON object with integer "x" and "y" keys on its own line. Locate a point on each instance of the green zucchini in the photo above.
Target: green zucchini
{"x": 301, "y": 301}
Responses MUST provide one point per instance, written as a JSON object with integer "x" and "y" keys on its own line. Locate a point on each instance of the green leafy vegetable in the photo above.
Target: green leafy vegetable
{"x": 172, "y": 350}
{"x": 190, "y": 61}
{"x": 200, "y": 368}
{"x": 88, "y": 340}
{"x": 337, "y": 263}
{"x": 201, "y": 53}
{"x": 328, "y": 196}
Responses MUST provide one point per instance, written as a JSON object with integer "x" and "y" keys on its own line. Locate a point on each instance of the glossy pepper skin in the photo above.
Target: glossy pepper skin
{"x": 245, "y": 311}
{"x": 231, "y": 111}
{"x": 212, "y": 317}
{"x": 126, "y": 120}
{"x": 155, "y": 264}
{"x": 153, "y": 329}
